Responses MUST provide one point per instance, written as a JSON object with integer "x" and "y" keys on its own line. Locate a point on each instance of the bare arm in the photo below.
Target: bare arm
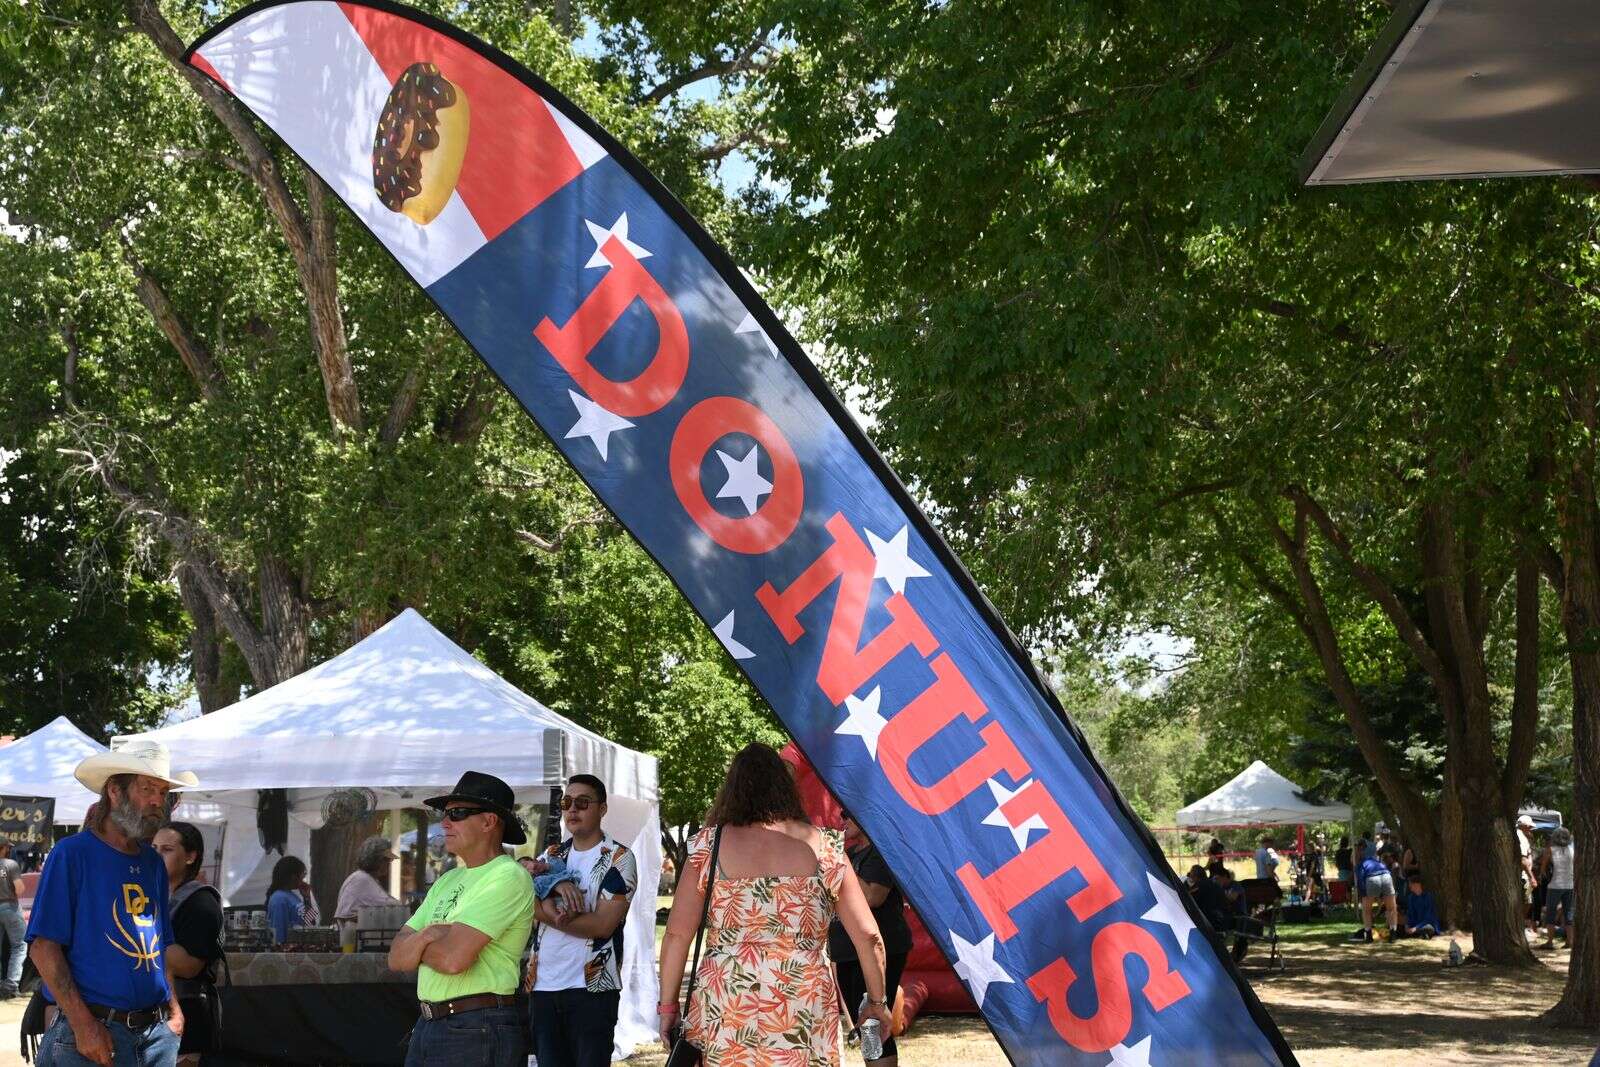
{"x": 607, "y": 915}
{"x": 180, "y": 963}
{"x": 688, "y": 900}
{"x": 93, "y": 1039}
{"x": 405, "y": 954}
{"x": 174, "y": 1011}
{"x": 875, "y": 893}
{"x": 858, "y": 922}
{"x": 456, "y": 950}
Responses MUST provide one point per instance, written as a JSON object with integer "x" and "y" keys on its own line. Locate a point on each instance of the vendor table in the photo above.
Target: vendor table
{"x": 315, "y": 1008}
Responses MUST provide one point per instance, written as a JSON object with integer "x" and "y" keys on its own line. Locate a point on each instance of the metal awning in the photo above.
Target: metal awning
{"x": 1468, "y": 89}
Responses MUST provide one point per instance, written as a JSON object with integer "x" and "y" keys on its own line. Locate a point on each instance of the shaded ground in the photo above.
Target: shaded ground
{"x": 1338, "y": 1004}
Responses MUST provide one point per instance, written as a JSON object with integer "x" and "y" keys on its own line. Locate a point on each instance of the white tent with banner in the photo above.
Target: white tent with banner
{"x": 1258, "y": 796}
{"x": 41, "y": 765}
{"x": 398, "y": 717}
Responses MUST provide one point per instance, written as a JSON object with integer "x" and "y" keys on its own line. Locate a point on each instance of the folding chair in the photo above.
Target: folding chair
{"x": 1263, "y": 899}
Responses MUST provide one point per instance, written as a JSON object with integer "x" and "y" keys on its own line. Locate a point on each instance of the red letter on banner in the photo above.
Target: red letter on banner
{"x": 777, "y": 516}
{"x": 845, "y": 664}
{"x": 1060, "y": 850}
{"x": 1113, "y": 1017}
{"x": 571, "y": 344}
{"x": 949, "y": 698}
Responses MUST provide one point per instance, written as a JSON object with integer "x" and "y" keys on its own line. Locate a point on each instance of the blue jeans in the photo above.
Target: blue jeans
{"x": 488, "y": 1037}
{"x": 573, "y": 1027}
{"x": 154, "y": 1046}
{"x": 11, "y": 922}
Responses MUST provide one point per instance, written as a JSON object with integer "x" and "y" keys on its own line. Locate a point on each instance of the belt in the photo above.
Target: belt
{"x": 141, "y": 1019}
{"x": 443, "y": 1009}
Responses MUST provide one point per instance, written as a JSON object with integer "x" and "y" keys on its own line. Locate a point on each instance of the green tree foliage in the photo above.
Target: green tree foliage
{"x": 209, "y": 349}
{"x": 1063, "y": 249}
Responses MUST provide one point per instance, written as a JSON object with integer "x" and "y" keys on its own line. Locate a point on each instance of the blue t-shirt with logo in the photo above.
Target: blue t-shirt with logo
{"x": 108, "y": 912}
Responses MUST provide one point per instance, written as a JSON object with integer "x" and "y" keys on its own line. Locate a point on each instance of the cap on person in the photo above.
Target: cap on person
{"x": 374, "y": 849}
{"x": 1525, "y": 821}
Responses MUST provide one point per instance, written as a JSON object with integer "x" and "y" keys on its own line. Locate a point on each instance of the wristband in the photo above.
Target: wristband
{"x": 666, "y": 1009}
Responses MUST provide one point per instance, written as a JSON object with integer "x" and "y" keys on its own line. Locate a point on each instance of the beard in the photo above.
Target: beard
{"x": 127, "y": 817}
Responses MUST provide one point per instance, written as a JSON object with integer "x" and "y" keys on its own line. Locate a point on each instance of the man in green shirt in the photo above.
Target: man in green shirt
{"x": 466, "y": 941}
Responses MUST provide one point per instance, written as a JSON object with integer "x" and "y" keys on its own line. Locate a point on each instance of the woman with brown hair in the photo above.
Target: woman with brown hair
{"x": 765, "y": 992}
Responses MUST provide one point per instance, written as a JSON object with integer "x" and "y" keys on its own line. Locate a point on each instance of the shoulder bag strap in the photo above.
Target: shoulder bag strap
{"x": 705, "y": 910}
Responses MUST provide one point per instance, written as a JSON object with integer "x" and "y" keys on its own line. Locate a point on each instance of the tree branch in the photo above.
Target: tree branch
{"x": 309, "y": 242}
{"x": 1525, "y": 691}
{"x": 1376, "y": 586}
{"x": 553, "y": 545}
{"x": 722, "y": 149}
{"x": 744, "y": 61}
{"x": 195, "y": 355}
{"x": 403, "y": 405}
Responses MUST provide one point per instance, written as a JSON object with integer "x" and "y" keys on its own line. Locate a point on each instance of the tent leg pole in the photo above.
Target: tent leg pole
{"x": 392, "y": 831}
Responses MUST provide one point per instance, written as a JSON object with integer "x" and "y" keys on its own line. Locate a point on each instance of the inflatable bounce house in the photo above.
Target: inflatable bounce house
{"x": 929, "y": 983}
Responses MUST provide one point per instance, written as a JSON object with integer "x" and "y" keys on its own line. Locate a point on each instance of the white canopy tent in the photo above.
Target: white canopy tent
{"x": 41, "y": 765}
{"x": 404, "y": 713}
{"x": 1258, "y": 796}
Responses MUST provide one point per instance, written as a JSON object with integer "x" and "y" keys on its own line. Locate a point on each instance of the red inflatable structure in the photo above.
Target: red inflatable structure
{"x": 929, "y": 983}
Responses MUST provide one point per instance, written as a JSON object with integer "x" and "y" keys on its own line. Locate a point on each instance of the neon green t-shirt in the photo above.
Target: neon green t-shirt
{"x": 495, "y": 898}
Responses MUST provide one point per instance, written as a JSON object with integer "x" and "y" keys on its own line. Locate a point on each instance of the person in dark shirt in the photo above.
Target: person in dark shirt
{"x": 1215, "y": 858}
{"x": 1212, "y": 896}
{"x": 888, "y": 908}
{"x": 1341, "y": 861}
{"x": 1422, "y": 919}
{"x": 195, "y": 909}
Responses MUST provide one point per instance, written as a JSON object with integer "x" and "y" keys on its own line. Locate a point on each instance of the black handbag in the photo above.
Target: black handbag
{"x": 199, "y": 997}
{"x": 685, "y": 1053}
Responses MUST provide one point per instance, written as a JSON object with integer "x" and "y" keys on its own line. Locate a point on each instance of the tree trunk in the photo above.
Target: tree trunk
{"x": 285, "y": 625}
{"x": 1580, "y": 617}
{"x": 333, "y": 857}
{"x": 1447, "y": 878}
{"x": 215, "y": 689}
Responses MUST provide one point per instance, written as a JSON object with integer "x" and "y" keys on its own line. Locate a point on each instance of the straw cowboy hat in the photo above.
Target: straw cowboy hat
{"x": 132, "y": 755}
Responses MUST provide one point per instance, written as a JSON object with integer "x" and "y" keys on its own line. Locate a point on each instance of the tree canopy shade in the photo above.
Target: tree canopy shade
{"x": 1454, "y": 89}
{"x": 1064, "y": 249}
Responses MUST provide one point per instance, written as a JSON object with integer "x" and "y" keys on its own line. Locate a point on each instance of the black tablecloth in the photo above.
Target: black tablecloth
{"x": 357, "y": 1024}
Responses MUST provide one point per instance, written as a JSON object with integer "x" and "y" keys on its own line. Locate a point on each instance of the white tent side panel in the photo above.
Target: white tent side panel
{"x": 41, "y": 765}
{"x": 1260, "y": 796}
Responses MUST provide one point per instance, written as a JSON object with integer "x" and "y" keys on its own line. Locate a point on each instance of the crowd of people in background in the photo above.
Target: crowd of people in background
{"x": 1387, "y": 883}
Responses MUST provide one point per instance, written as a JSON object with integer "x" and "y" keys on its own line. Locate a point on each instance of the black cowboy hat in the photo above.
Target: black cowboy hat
{"x": 491, "y": 794}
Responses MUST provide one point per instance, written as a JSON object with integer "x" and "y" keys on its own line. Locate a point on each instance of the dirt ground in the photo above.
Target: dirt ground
{"x": 1338, "y": 1003}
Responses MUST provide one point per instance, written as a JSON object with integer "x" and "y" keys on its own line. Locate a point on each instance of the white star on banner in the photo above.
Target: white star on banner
{"x": 749, "y": 325}
{"x": 997, "y": 817}
{"x": 1169, "y": 909}
{"x": 619, "y": 230}
{"x": 595, "y": 423}
{"x": 1136, "y": 1056}
{"x": 863, "y": 720}
{"x": 724, "y": 632}
{"x": 744, "y": 482}
{"x": 894, "y": 563}
{"x": 976, "y": 966}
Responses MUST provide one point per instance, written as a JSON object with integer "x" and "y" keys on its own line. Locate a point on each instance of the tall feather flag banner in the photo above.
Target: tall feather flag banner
{"x": 651, "y": 363}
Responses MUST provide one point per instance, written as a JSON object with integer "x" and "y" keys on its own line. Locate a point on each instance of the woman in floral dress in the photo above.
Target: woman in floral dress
{"x": 765, "y": 994}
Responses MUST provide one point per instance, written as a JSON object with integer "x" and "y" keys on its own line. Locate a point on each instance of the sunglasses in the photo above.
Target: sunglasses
{"x": 462, "y": 814}
{"x": 581, "y": 803}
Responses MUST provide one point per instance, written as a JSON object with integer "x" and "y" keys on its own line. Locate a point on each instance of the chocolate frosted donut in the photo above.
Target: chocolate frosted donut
{"x": 420, "y": 143}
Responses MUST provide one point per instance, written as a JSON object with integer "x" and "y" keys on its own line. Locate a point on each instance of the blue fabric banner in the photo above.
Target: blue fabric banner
{"x": 671, "y": 387}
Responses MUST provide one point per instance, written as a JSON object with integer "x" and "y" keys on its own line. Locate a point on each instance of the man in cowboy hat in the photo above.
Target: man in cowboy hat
{"x": 99, "y": 931}
{"x": 465, "y": 942}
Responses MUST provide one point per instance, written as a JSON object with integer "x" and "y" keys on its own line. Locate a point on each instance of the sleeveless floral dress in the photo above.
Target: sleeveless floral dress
{"x": 765, "y": 993}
